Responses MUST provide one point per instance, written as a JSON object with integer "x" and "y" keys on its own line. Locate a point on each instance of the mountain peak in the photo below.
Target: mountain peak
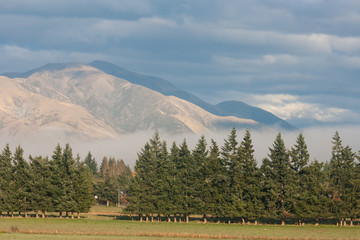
{"x": 46, "y": 67}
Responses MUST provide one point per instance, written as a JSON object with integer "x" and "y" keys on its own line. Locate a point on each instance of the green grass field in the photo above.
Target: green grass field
{"x": 103, "y": 223}
{"x": 53, "y": 228}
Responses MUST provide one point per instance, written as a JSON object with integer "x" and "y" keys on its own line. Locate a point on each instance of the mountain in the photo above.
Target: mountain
{"x": 86, "y": 101}
{"x": 23, "y": 113}
{"x": 227, "y": 108}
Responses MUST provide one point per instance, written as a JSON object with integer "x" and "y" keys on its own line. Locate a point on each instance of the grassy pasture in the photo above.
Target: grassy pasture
{"x": 53, "y": 228}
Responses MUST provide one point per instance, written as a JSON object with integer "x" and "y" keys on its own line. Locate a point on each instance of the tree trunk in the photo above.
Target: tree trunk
{"x": 43, "y": 214}
{"x": 12, "y": 214}
{"x": 317, "y": 222}
{"x": 256, "y": 222}
{"x": 175, "y": 220}
{"x": 107, "y": 203}
{"x": 152, "y": 218}
{"x": 187, "y": 218}
{"x": 282, "y": 222}
{"x": 72, "y": 215}
{"x": 168, "y": 218}
{"x": 141, "y": 219}
{"x": 36, "y": 214}
{"x": 243, "y": 221}
{"x": 60, "y": 214}
{"x": 205, "y": 220}
{"x": 146, "y": 218}
{"x": 351, "y": 222}
{"x": 78, "y": 216}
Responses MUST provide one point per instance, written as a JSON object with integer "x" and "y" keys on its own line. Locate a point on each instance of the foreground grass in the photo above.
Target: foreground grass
{"x": 53, "y": 228}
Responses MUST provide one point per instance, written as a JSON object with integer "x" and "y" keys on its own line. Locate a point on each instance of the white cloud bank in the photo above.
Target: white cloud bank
{"x": 126, "y": 147}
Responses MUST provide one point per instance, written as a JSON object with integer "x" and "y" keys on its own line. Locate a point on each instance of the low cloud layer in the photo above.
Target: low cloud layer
{"x": 126, "y": 147}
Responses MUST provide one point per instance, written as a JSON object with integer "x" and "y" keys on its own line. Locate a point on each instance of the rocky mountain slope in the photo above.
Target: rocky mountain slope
{"x": 80, "y": 99}
{"x": 228, "y": 108}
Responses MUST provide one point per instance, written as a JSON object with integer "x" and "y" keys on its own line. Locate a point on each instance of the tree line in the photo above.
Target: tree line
{"x": 60, "y": 184}
{"x": 226, "y": 184}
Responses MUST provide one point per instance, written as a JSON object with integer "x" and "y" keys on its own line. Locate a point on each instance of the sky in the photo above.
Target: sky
{"x": 299, "y": 59}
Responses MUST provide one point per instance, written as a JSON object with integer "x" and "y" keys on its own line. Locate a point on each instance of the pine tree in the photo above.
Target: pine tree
{"x": 41, "y": 187}
{"x": 217, "y": 179}
{"x": 313, "y": 201}
{"x": 69, "y": 201}
{"x": 250, "y": 182}
{"x": 187, "y": 175}
{"x": 83, "y": 187}
{"x": 142, "y": 189}
{"x": 342, "y": 165}
{"x": 269, "y": 191}
{"x": 163, "y": 181}
{"x": 22, "y": 182}
{"x": 355, "y": 193}
{"x": 235, "y": 204}
{"x": 104, "y": 167}
{"x": 299, "y": 163}
{"x": 91, "y": 163}
{"x": 6, "y": 181}
{"x": 57, "y": 188}
{"x": 202, "y": 184}
{"x": 176, "y": 198}
{"x": 283, "y": 178}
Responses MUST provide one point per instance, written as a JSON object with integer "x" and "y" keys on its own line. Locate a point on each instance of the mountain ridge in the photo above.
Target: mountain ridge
{"x": 121, "y": 105}
{"x": 226, "y": 108}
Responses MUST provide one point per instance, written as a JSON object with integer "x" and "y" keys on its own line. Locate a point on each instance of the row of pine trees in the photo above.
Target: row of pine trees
{"x": 62, "y": 184}
{"x": 226, "y": 184}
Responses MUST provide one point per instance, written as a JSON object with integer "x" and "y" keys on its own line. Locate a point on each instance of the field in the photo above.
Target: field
{"x": 102, "y": 223}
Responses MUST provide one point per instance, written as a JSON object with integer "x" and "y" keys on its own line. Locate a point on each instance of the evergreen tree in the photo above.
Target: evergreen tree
{"x": 91, "y": 163}
{"x": 217, "y": 180}
{"x": 355, "y": 193}
{"x": 142, "y": 189}
{"x": 313, "y": 202}
{"x": 83, "y": 187}
{"x": 104, "y": 167}
{"x": 250, "y": 182}
{"x": 234, "y": 206}
{"x": 176, "y": 197}
{"x": 63, "y": 175}
{"x": 269, "y": 191}
{"x": 22, "y": 182}
{"x": 186, "y": 176}
{"x": 342, "y": 166}
{"x": 6, "y": 181}
{"x": 68, "y": 199}
{"x": 202, "y": 184}
{"x": 283, "y": 178}
{"x": 299, "y": 162}
{"x": 163, "y": 182}
{"x": 57, "y": 188}
{"x": 41, "y": 187}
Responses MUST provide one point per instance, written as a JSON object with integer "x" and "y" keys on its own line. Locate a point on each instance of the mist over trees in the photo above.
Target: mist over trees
{"x": 219, "y": 183}
{"x": 226, "y": 184}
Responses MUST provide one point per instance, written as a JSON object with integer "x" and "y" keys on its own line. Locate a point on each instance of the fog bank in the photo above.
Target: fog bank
{"x": 127, "y": 146}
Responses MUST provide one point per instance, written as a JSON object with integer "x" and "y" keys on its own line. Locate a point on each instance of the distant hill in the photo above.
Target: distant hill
{"x": 77, "y": 99}
{"x": 227, "y": 108}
